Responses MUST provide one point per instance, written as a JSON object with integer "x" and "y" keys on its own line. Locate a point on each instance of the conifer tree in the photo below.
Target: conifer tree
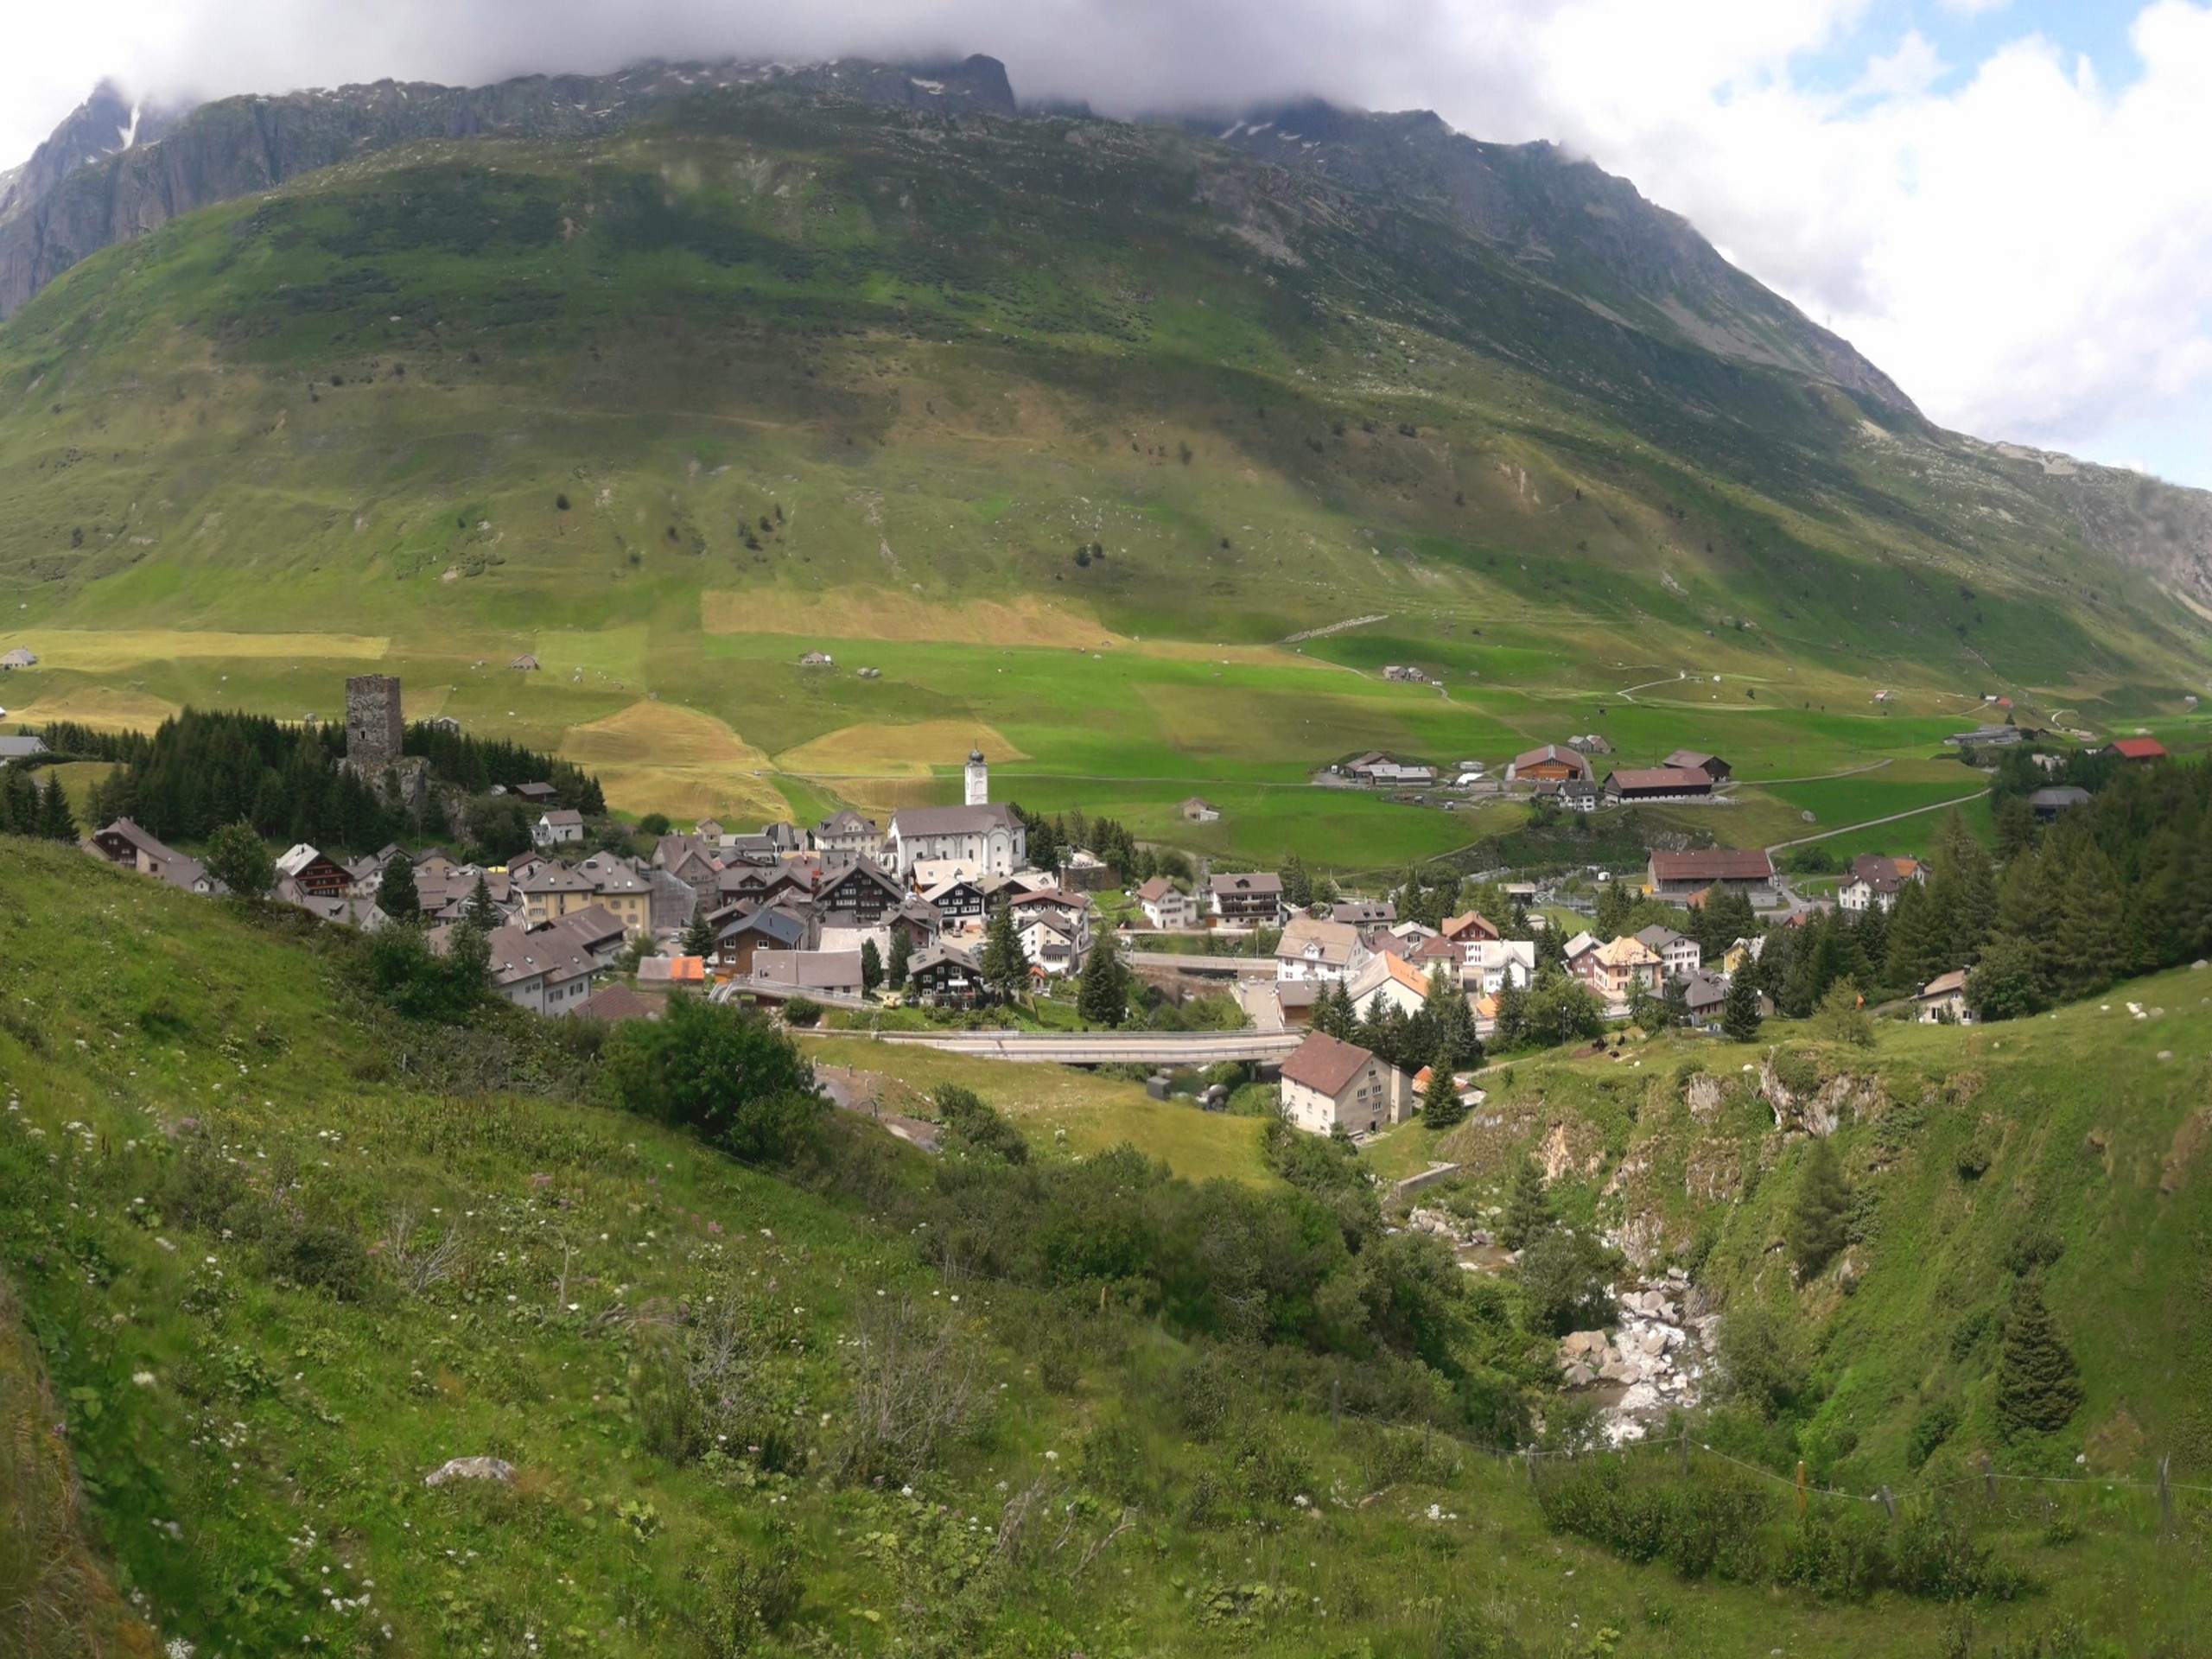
{"x": 1529, "y": 1213}
{"x": 871, "y": 967}
{"x": 902, "y": 950}
{"x": 1005, "y": 970}
{"x": 1332, "y": 1013}
{"x": 396, "y": 895}
{"x": 56, "y": 821}
{"x": 1967, "y": 890}
{"x": 2038, "y": 1386}
{"x": 2092, "y": 937}
{"x": 1509, "y": 1028}
{"x": 1102, "y": 995}
{"x": 698, "y": 933}
{"x": 480, "y": 912}
{"x": 1739, "y": 1011}
{"x": 19, "y": 802}
{"x": 1297, "y": 886}
{"x": 1440, "y": 1107}
{"x": 1916, "y": 941}
{"x": 1451, "y": 1021}
{"x": 1817, "y": 1217}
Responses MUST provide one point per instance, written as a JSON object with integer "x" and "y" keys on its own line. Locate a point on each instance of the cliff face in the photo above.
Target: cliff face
{"x": 74, "y": 197}
{"x": 1592, "y": 233}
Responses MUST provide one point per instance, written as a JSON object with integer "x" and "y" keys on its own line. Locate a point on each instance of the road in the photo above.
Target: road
{"x": 1107, "y": 1047}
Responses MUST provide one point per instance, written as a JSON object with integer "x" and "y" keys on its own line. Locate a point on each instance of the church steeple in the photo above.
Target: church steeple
{"x": 979, "y": 779}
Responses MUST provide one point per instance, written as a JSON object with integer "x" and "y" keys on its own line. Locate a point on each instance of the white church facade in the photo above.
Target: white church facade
{"x": 970, "y": 842}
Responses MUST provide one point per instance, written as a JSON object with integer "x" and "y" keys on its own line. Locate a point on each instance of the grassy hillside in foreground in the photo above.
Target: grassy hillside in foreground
{"x": 253, "y": 1451}
{"x": 806, "y": 374}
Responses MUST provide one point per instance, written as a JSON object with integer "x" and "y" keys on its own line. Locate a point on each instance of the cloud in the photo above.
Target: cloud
{"x": 2025, "y": 245}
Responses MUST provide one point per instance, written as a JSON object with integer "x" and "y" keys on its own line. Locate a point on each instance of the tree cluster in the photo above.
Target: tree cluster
{"x": 33, "y": 806}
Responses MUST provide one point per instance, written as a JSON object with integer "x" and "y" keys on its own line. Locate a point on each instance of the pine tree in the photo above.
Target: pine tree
{"x": 1529, "y": 1213}
{"x": 19, "y": 802}
{"x": 1440, "y": 1106}
{"x": 871, "y": 967}
{"x": 1102, "y": 993}
{"x": 2092, "y": 935}
{"x": 1297, "y": 886}
{"x": 396, "y": 893}
{"x": 1817, "y": 1218}
{"x": 480, "y": 912}
{"x": 2038, "y": 1387}
{"x": 698, "y": 934}
{"x": 902, "y": 950}
{"x": 1005, "y": 970}
{"x": 1916, "y": 941}
{"x": 56, "y": 821}
{"x": 1966, "y": 890}
{"x": 1451, "y": 1022}
{"x": 1739, "y": 1012}
{"x": 1509, "y": 1028}
{"x": 1332, "y": 1013}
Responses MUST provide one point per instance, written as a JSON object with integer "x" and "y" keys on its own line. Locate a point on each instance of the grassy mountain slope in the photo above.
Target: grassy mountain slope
{"x": 252, "y": 1449}
{"x": 812, "y": 371}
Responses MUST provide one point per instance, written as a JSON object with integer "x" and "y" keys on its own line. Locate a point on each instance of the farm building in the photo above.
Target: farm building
{"x": 1551, "y": 764}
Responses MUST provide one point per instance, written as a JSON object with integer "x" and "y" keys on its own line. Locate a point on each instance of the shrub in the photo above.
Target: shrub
{"x": 721, "y": 1072}
{"x": 743, "y": 1597}
{"x": 974, "y": 1125}
{"x": 1758, "y": 1353}
{"x": 319, "y": 1255}
{"x": 802, "y": 1013}
{"x": 398, "y": 968}
{"x": 1936, "y": 1424}
{"x": 916, "y": 1385}
{"x": 1817, "y": 1218}
{"x": 1563, "y": 1278}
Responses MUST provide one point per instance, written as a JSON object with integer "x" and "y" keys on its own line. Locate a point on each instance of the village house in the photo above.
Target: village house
{"x": 1679, "y": 954}
{"x": 1942, "y": 1001}
{"x": 944, "y": 975}
{"x": 780, "y": 975}
{"x": 1469, "y": 927}
{"x": 1991, "y": 737}
{"x": 20, "y": 657}
{"x": 985, "y": 840}
{"x": 1589, "y": 743}
{"x": 709, "y": 830}
{"x": 742, "y": 936}
{"x": 763, "y": 884}
{"x": 1386, "y": 772}
{"x": 594, "y": 929}
{"x": 561, "y": 827}
{"x": 1255, "y": 898}
{"x": 1874, "y": 883}
{"x": 673, "y": 902}
{"x": 1657, "y": 784}
{"x": 2050, "y": 805}
{"x": 542, "y": 971}
{"x": 1490, "y": 965}
{"x": 551, "y": 891}
{"x": 314, "y": 873}
{"x": 125, "y": 843}
{"x": 1580, "y": 795}
{"x": 1618, "y": 968}
{"x": 917, "y": 920}
{"x": 1712, "y": 766}
{"x": 613, "y": 1004}
{"x": 1705, "y": 994}
{"x": 618, "y": 886}
{"x": 1679, "y": 875}
{"x": 1200, "y": 812}
{"x": 539, "y": 794}
{"x": 1551, "y": 764}
{"x": 846, "y": 835}
{"x": 1054, "y": 928}
{"x": 957, "y": 900}
{"x": 2134, "y": 748}
{"x": 1328, "y": 1084}
{"x": 1321, "y": 951}
{"x": 690, "y": 859}
{"x": 1390, "y": 981}
{"x": 858, "y": 895}
{"x": 671, "y": 974}
{"x": 1166, "y": 906}
{"x": 26, "y": 748}
{"x": 1363, "y": 913}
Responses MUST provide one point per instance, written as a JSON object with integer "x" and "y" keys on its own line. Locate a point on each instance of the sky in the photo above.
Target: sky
{"x": 2003, "y": 203}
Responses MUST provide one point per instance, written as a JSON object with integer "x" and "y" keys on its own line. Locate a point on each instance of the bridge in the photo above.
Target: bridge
{"x": 1172, "y": 1048}
{"x": 1174, "y": 962}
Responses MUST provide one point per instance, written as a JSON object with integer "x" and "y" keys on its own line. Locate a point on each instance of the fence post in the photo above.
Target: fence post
{"x": 1989, "y": 1478}
{"x": 1686, "y": 1451}
{"x": 1889, "y": 1501}
{"x": 2166, "y": 1495}
{"x": 1800, "y": 1488}
{"x": 1528, "y": 1457}
{"x": 1336, "y": 1400}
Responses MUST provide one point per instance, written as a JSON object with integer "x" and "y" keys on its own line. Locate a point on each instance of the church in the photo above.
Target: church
{"x": 963, "y": 843}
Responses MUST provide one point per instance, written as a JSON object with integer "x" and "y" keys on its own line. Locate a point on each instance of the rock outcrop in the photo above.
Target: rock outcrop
{"x": 1655, "y": 1356}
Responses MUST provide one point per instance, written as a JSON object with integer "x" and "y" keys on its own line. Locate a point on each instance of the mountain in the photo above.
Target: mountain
{"x": 105, "y": 125}
{"x": 865, "y": 354}
{"x": 89, "y": 184}
{"x": 1566, "y": 222}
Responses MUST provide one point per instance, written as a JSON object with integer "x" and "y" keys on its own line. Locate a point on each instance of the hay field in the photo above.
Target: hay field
{"x": 103, "y": 708}
{"x": 860, "y": 613}
{"x": 657, "y": 757}
{"x": 879, "y": 753}
{"x": 97, "y": 650}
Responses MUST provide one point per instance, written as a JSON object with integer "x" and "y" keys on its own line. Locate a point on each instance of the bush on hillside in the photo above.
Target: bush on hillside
{"x": 977, "y": 1127}
{"x": 398, "y": 968}
{"x": 1821, "y": 1210}
{"x": 721, "y": 1072}
{"x": 1563, "y": 1280}
{"x": 2038, "y": 1386}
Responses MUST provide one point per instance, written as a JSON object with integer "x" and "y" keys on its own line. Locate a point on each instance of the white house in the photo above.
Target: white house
{"x": 1311, "y": 950}
{"x": 1492, "y": 964}
{"x": 1327, "y": 1084}
{"x": 1166, "y": 906}
{"x": 1943, "y": 1001}
{"x": 1392, "y": 980}
{"x": 553, "y": 828}
{"x": 1679, "y": 955}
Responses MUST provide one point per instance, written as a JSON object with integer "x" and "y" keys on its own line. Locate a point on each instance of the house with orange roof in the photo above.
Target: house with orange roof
{"x": 1390, "y": 980}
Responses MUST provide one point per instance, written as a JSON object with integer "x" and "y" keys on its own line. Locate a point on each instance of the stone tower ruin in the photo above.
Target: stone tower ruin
{"x": 373, "y": 722}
